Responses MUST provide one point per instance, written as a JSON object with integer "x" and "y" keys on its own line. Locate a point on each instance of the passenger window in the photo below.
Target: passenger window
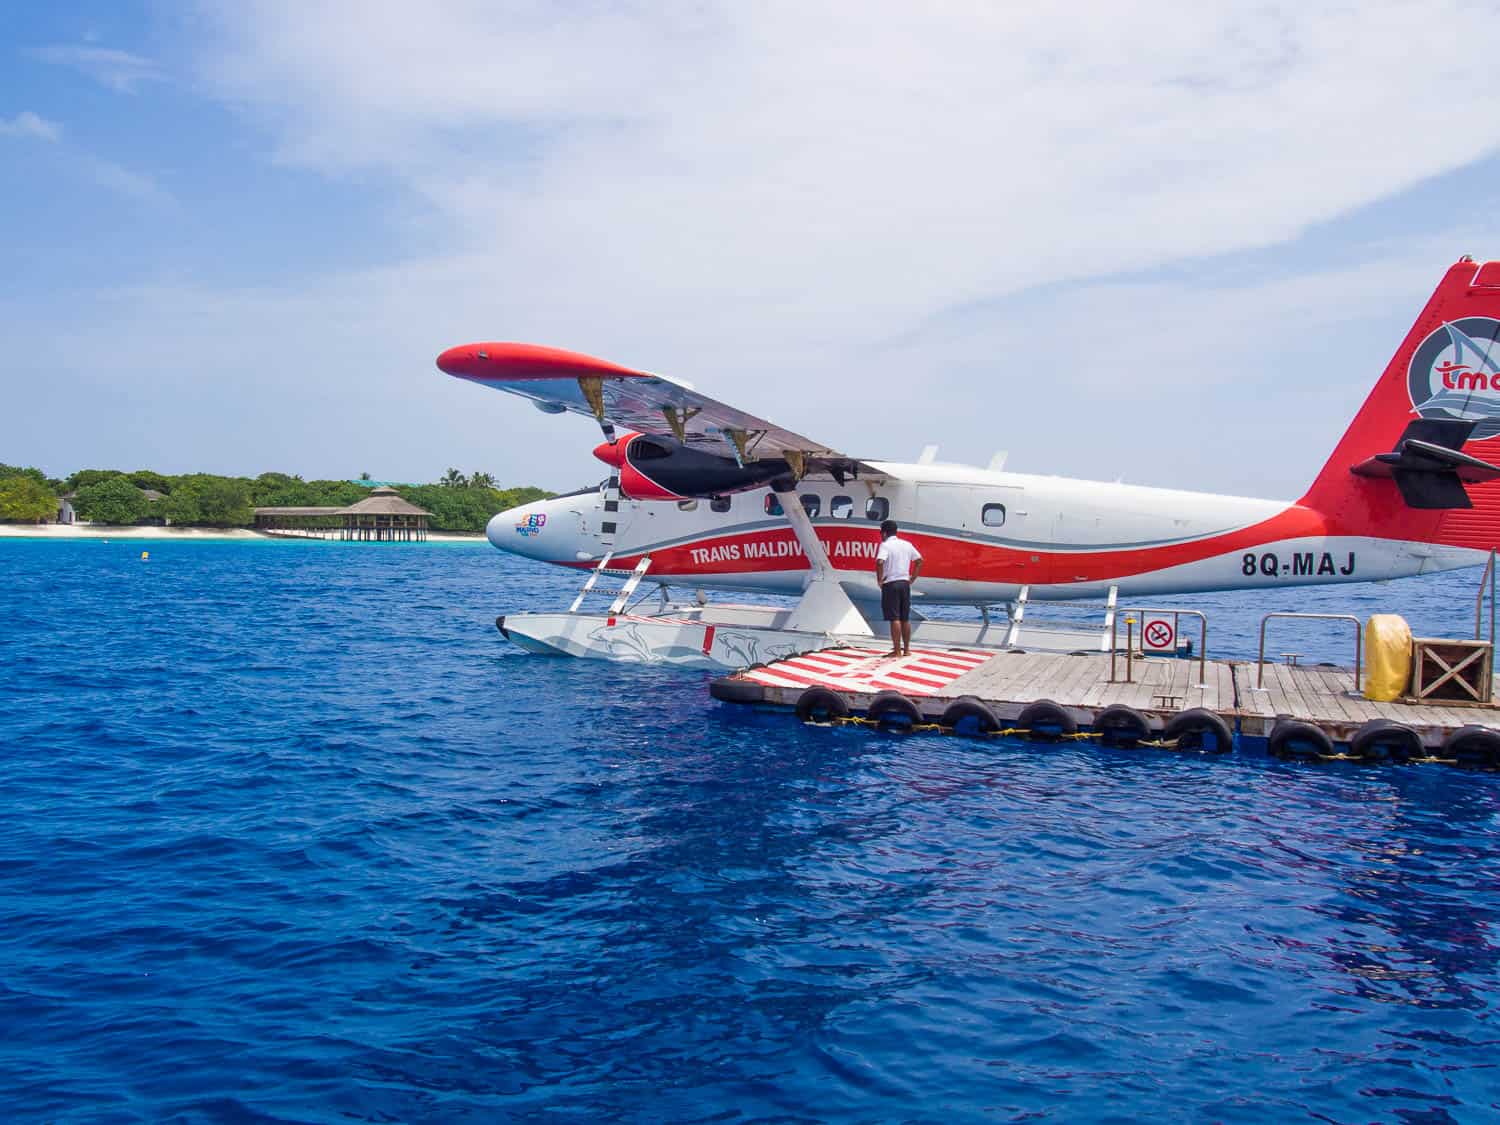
{"x": 773, "y": 505}
{"x": 877, "y": 509}
{"x": 687, "y": 505}
{"x": 841, "y": 507}
{"x": 719, "y": 504}
{"x": 810, "y": 504}
{"x": 993, "y": 515}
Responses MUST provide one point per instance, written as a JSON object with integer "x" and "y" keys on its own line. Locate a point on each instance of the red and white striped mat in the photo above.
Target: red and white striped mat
{"x": 925, "y": 672}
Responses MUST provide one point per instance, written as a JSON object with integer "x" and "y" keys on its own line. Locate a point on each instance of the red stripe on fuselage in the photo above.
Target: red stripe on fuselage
{"x": 852, "y": 549}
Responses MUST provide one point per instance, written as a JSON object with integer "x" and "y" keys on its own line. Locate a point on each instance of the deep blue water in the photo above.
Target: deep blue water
{"x": 289, "y": 833}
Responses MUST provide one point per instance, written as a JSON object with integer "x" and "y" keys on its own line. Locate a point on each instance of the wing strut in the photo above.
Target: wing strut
{"x": 825, "y": 606}
{"x": 592, "y": 389}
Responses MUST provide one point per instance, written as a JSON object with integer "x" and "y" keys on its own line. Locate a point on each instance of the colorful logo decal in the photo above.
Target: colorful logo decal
{"x": 532, "y": 524}
{"x": 1455, "y": 373}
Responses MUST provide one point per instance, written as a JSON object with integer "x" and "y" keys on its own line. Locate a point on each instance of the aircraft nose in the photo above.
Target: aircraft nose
{"x": 512, "y": 531}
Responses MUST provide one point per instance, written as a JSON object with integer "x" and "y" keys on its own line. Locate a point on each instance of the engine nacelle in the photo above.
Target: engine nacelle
{"x": 659, "y": 468}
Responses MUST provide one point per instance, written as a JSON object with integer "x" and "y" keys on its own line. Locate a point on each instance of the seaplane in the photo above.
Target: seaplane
{"x": 703, "y": 496}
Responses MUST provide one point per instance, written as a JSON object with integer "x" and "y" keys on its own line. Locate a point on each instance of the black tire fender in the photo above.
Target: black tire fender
{"x": 820, "y": 705}
{"x": 1046, "y": 721}
{"x": 1290, "y": 738}
{"x": 893, "y": 711}
{"x": 1474, "y": 747}
{"x": 1119, "y": 725}
{"x": 1385, "y": 740}
{"x": 1198, "y": 728}
{"x": 970, "y": 716}
{"x": 728, "y": 689}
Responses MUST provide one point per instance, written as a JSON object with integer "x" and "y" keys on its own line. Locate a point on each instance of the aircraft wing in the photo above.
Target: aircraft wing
{"x": 558, "y": 381}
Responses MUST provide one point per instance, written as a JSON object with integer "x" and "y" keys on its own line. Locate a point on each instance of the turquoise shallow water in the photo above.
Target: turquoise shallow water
{"x": 288, "y": 833}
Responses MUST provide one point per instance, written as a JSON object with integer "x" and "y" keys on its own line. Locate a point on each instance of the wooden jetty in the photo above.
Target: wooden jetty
{"x": 1086, "y": 686}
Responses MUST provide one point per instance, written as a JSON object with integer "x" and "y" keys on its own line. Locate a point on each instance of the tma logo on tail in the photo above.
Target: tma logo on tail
{"x": 1455, "y": 373}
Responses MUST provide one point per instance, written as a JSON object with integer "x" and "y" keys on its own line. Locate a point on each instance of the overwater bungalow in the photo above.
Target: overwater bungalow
{"x": 382, "y": 517}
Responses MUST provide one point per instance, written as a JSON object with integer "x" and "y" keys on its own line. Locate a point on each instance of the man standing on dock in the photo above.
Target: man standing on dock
{"x": 897, "y": 565}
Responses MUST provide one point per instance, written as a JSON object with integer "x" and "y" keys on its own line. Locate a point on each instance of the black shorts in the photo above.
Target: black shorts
{"x": 895, "y": 600}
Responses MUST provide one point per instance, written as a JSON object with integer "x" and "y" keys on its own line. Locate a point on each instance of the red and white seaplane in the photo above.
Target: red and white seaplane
{"x": 703, "y": 495}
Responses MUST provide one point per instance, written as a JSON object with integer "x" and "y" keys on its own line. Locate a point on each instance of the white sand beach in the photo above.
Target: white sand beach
{"x": 99, "y": 531}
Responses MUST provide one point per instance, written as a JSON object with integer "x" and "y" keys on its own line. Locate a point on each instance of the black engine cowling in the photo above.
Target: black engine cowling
{"x": 659, "y": 468}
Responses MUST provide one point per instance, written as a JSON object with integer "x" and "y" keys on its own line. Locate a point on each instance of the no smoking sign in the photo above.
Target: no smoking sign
{"x": 1158, "y": 634}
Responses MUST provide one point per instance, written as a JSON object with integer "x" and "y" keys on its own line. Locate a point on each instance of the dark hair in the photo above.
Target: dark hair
{"x": 887, "y": 529}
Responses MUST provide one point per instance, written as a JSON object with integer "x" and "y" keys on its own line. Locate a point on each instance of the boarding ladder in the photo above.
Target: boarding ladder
{"x": 1050, "y": 633}
{"x": 622, "y": 595}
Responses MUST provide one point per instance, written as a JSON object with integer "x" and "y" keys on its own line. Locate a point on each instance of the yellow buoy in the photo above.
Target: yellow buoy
{"x": 145, "y": 554}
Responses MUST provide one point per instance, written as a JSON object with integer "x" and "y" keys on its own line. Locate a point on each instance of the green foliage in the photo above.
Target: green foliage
{"x": 204, "y": 500}
{"x": 24, "y": 499}
{"x": 457, "y": 508}
{"x": 277, "y": 490}
{"x": 83, "y": 478}
{"x": 9, "y": 472}
{"x": 515, "y": 497}
{"x": 111, "y": 500}
{"x": 458, "y": 503}
{"x": 340, "y": 492}
{"x": 145, "y": 478}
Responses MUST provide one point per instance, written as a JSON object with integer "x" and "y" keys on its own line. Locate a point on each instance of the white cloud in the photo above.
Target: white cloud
{"x": 133, "y": 185}
{"x": 884, "y": 224}
{"x": 1241, "y": 389}
{"x": 890, "y": 159}
{"x": 119, "y": 70}
{"x": 28, "y": 124}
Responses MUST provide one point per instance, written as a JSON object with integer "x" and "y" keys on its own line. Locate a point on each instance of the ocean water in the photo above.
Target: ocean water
{"x": 289, "y": 833}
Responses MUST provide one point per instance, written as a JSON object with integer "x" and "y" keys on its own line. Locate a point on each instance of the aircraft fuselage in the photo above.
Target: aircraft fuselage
{"x": 983, "y": 535}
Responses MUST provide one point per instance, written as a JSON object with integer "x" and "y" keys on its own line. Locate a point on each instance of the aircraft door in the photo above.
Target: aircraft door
{"x": 986, "y": 528}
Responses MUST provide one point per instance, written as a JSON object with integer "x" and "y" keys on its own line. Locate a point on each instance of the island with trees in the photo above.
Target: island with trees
{"x": 115, "y": 498}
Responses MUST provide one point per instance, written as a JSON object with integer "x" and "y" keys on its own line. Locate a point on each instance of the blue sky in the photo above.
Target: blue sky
{"x": 1175, "y": 244}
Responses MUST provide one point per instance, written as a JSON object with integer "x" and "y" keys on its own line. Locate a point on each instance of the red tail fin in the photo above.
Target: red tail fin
{"x": 1446, "y": 370}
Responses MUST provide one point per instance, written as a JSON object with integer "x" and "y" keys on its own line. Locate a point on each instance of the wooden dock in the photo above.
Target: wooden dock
{"x": 1158, "y": 689}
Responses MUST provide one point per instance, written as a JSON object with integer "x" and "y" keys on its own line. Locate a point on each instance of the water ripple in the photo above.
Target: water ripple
{"x": 290, "y": 834}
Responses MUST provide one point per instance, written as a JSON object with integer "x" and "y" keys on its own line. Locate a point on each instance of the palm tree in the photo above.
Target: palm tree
{"x": 454, "y": 479}
{"x": 481, "y": 480}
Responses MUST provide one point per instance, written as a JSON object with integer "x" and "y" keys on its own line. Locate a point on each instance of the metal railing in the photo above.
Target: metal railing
{"x": 1260, "y": 661}
{"x": 1177, "y": 614}
{"x": 1486, "y": 585}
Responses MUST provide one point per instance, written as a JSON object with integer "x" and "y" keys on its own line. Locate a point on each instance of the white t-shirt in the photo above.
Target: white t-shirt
{"x": 897, "y": 555}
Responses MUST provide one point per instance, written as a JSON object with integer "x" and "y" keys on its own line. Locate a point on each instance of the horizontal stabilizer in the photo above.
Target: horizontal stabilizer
{"x": 1428, "y": 464}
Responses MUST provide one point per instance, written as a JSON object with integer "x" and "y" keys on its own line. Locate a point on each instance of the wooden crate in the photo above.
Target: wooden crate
{"x": 1451, "y": 671}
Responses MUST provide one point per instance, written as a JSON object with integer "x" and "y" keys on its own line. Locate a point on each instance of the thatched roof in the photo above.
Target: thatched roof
{"x": 384, "y": 502}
